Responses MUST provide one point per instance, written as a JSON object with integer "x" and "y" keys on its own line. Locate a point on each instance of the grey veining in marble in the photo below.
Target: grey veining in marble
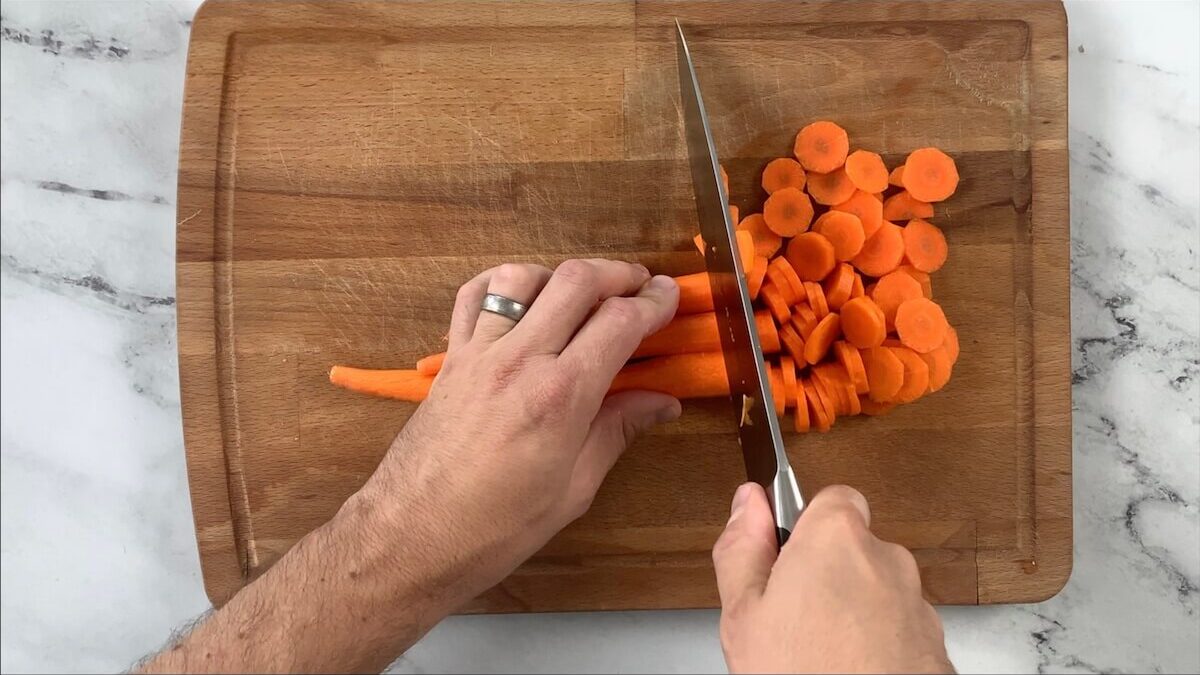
{"x": 97, "y": 548}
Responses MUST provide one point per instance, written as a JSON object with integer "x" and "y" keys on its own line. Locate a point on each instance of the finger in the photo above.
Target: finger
{"x": 520, "y": 283}
{"x": 574, "y": 290}
{"x": 621, "y": 419}
{"x": 466, "y": 309}
{"x": 614, "y": 331}
{"x": 839, "y": 500}
{"x": 745, "y": 552}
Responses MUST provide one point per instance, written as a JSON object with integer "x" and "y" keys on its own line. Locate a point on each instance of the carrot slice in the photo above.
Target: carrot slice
{"x": 924, "y": 245}
{"x": 873, "y": 408}
{"x": 951, "y": 344}
{"x": 812, "y": 256}
{"x": 902, "y": 206}
{"x": 921, "y": 324}
{"x": 695, "y": 293}
{"x": 896, "y": 177}
{"x": 791, "y": 278}
{"x": 816, "y": 299}
{"x": 782, "y": 173}
{"x": 768, "y": 331}
{"x": 893, "y": 289}
{"x": 766, "y": 242}
{"x": 773, "y": 298}
{"x": 854, "y": 405}
{"x": 940, "y": 367}
{"x": 863, "y": 323}
{"x": 828, "y": 404}
{"x": 805, "y": 320}
{"x": 838, "y": 286}
{"x": 837, "y": 385}
{"x": 754, "y": 278}
{"x": 778, "y": 391}
{"x": 867, "y": 171}
{"x": 878, "y": 196}
{"x": 821, "y": 147}
{"x": 776, "y": 278}
{"x": 921, "y": 277}
{"x": 699, "y": 240}
{"x": 816, "y": 409}
{"x": 830, "y": 188}
{"x": 847, "y": 355}
{"x": 844, "y": 230}
{"x": 916, "y": 375}
{"x": 857, "y": 291}
{"x": 788, "y": 212}
{"x": 885, "y": 373}
{"x": 822, "y": 338}
{"x": 745, "y": 249}
{"x": 801, "y": 416}
{"x": 724, "y": 179}
{"x": 788, "y": 366}
{"x": 881, "y": 253}
{"x": 792, "y": 342}
{"x": 868, "y": 209}
{"x": 930, "y": 175}
{"x": 733, "y": 214}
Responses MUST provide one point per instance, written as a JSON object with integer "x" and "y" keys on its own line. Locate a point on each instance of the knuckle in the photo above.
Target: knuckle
{"x": 514, "y": 274}
{"x": 577, "y": 273}
{"x": 550, "y": 394}
{"x": 844, "y": 521}
{"x": 465, "y": 293}
{"x": 623, "y": 314}
{"x": 905, "y": 563}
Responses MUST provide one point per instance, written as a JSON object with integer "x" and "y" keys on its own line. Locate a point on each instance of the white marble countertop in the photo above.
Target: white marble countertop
{"x": 98, "y": 556}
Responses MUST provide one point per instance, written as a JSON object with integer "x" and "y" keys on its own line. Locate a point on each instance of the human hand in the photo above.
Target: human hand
{"x": 835, "y": 599}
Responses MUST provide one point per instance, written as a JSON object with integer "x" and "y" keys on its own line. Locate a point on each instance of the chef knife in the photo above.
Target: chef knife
{"x": 758, "y": 427}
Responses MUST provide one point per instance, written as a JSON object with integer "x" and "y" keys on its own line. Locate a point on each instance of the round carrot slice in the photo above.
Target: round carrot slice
{"x": 788, "y": 366}
{"x": 874, "y": 409}
{"x": 745, "y": 249}
{"x": 885, "y": 373}
{"x": 766, "y": 242}
{"x": 754, "y": 278}
{"x": 896, "y": 177}
{"x": 844, "y": 230}
{"x": 916, "y": 375}
{"x": 847, "y": 355}
{"x": 816, "y": 299}
{"x": 921, "y": 277}
{"x": 839, "y": 285}
{"x": 940, "y": 367}
{"x": 857, "y": 291}
{"x": 777, "y": 280}
{"x": 792, "y": 342}
{"x": 774, "y": 301}
{"x": 930, "y": 175}
{"x": 921, "y": 324}
{"x": 791, "y": 278}
{"x": 803, "y": 424}
{"x": 830, "y": 188}
{"x": 828, "y": 404}
{"x": 788, "y": 212}
{"x": 902, "y": 206}
{"x": 816, "y": 409}
{"x": 812, "y": 256}
{"x": 924, "y": 245}
{"x": 881, "y": 253}
{"x": 951, "y": 344}
{"x": 822, "y": 338}
{"x": 775, "y": 376}
{"x": 782, "y": 173}
{"x": 821, "y": 146}
{"x": 867, "y": 171}
{"x": 768, "y": 332}
{"x": 893, "y": 289}
{"x": 863, "y": 323}
{"x": 868, "y": 209}
{"x": 805, "y": 320}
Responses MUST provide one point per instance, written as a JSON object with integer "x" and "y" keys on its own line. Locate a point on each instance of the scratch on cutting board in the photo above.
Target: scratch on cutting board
{"x": 185, "y": 220}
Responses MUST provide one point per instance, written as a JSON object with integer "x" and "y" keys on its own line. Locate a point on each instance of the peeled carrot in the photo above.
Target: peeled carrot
{"x": 405, "y": 385}
{"x": 766, "y": 242}
{"x": 680, "y": 375}
{"x": 844, "y": 230}
{"x": 830, "y": 188}
{"x": 857, "y": 291}
{"x": 896, "y": 177}
{"x": 902, "y": 206}
{"x": 885, "y": 373}
{"x": 821, "y": 147}
{"x": 868, "y": 209}
{"x": 881, "y": 253}
{"x": 838, "y": 286}
{"x": 816, "y": 409}
{"x": 773, "y": 298}
{"x": 792, "y": 342}
{"x": 848, "y": 355}
{"x": 432, "y": 364}
{"x": 816, "y": 299}
{"x": 921, "y": 277}
{"x": 818, "y": 344}
{"x": 805, "y": 320}
{"x": 788, "y": 212}
{"x": 916, "y": 375}
{"x": 695, "y": 293}
{"x": 790, "y": 277}
{"x": 921, "y": 324}
{"x": 866, "y": 171}
{"x": 892, "y": 290}
{"x": 924, "y": 245}
{"x": 691, "y": 333}
{"x": 812, "y": 256}
{"x": 951, "y": 344}
{"x": 758, "y": 272}
{"x": 930, "y": 175}
{"x": 863, "y": 323}
{"x": 940, "y": 367}
{"x": 800, "y": 414}
{"x": 788, "y": 366}
{"x": 782, "y": 173}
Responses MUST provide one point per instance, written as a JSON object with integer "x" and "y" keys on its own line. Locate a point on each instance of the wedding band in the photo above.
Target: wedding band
{"x": 505, "y": 307}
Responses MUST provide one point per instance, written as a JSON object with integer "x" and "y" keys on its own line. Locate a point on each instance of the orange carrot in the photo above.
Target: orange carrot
{"x": 830, "y": 188}
{"x": 828, "y": 405}
{"x": 921, "y": 324}
{"x": 893, "y": 289}
{"x": 863, "y": 323}
{"x": 432, "y": 364}
{"x": 916, "y": 375}
{"x": 776, "y": 276}
{"x": 885, "y": 373}
{"x": 695, "y": 293}
{"x": 733, "y": 214}
{"x": 788, "y": 212}
{"x": 812, "y": 256}
{"x": 778, "y": 393}
{"x": 874, "y": 409}
{"x": 790, "y": 278}
{"x": 921, "y": 277}
{"x": 844, "y": 230}
{"x": 940, "y": 367}
{"x": 896, "y": 177}
{"x": 788, "y": 366}
{"x": 867, "y": 171}
{"x": 782, "y": 173}
{"x": 766, "y": 242}
{"x": 848, "y": 355}
{"x": 699, "y": 240}
{"x": 930, "y": 175}
{"x": 724, "y": 179}
{"x": 801, "y": 416}
{"x": 881, "y": 253}
{"x": 774, "y": 301}
{"x": 816, "y": 299}
{"x": 868, "y": 209}
{"x": 816, "y": 409}
{"x": 838, "y": 286}
{"x": 405, "y": 385}
{"x": 902, "y": 206}
{"x": 758, "y": 272}
{"x": 924, "y": 245}
{"x": 680, "y": 375}
{"x": 822, "y": 338}
{"x": 768, "y": 331}
{"x": 745, "y": 249}
{"x": 951, "y": 344}
{"x": 857, "y": 291}
{"x": 792, "y": 342}
{"x": 805, "y": 320}
{"x": 821, "y": 147}
{"x": 691, "y": 333}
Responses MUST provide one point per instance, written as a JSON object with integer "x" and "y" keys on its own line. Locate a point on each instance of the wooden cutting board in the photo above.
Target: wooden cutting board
{"x": 345, "y": 166}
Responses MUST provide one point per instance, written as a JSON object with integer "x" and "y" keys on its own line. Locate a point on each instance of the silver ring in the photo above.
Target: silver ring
{"x": 505, "y": 307}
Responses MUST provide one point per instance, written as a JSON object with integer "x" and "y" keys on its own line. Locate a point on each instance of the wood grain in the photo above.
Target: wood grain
{"x": 345, "y": 166}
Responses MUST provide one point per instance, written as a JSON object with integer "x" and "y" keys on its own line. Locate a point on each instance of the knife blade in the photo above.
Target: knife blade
{"x": 758, "y": 428}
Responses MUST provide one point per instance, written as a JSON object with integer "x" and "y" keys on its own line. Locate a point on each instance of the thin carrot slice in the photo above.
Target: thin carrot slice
{"x": 930, "y": 175}
{"x": 773, "y": 298}
{"x": 789, "y": 275}
{"x": 940, "y": 367}
{"x": 855, "y": 406}
{"x": 811, "y": 256}
{"x": 766, "y": 242}
{"x": 800, "y": 414}
{"x": 816, "y": 299}
{"x": 881, "y": 253}
{"x": 867, "y": 171}
{"x": 699, "y": 240}
{"x": 788, "y": 366}
{"x": 724, "y": 178}
{"x": 756, "y": 275}
{"x": 902, "y": 206}
{"x": 921, "y": 277}
{"x": 778, "y": 391}
{"x": 745, "y": 249}
{"x": 768, "y": 331}
{"x": 921, "y": 325}
{"x": 857, "y": 291}
{"x": 868, "y": 209}
{"x": 844, "y": 230}
{"x": 885, "y": 373}
{"x": 951, "y": 344}
{"x": 827, "y": 387}
{"x": 733, "y": 214}
{"x": 775, "y": 276}
{"x": 837, "y": 385}
{"x": 893, "y": 289}
{"x": 873, "y": 408}
{"x": 805, "y": 320}
{"x": 838, "y": 286}
{"x": 788, "y": 212}
{"x": 863, "y": 323}
{"x": 828, "y": 404}
{"x": 896, "y": 177}
{"x": 822, "y": 338}
{"x": 924, "y": 245}
{"x": 821, "y": 147}
{"x": 816, "y": 409}
{"x": 830, "y": 188}
{"x": 916, "y": 375}
{"x": 848, "y": 355}
{"x": 782, "y": 173}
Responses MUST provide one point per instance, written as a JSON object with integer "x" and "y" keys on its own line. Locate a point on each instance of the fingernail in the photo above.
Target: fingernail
{"x": 662, "y": 283}
{"x": 642, "y": 268}
{"x": 668, "y": 413}
{"x": 739, "y": 500}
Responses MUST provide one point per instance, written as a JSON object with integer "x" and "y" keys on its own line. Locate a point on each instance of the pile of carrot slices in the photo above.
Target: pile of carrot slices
{"x": 843, "y": 293}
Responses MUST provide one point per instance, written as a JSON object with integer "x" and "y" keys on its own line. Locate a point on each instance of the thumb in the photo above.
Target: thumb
{"x": 621, "y": 418}
{"x": 745, "y": 552}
